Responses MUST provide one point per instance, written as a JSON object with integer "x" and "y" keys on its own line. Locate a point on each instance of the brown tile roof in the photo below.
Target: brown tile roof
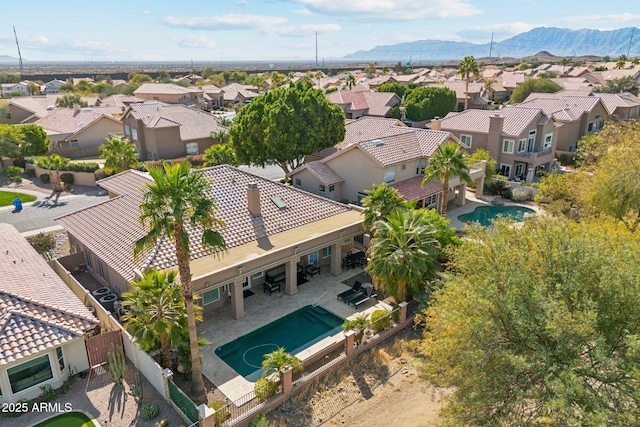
{"x": 561, "y": 107}
{"x": 412, "y": 188}
{"x": 37, "y": 309}
{"x": 194, "y": 124}
{"x": 38, "y": 104}
{"x": 612, "y": 101}
{"x": 323, "y": 172}
{"x": 164, "y": 89}
{"x": 68, "y": 120}
{"x": 376, "y": 103}
{"x": 516, "y": 120}
{"x": 390, "y": 150}
{"x": 119, "y": 101}
{"x": 109, "y": 229}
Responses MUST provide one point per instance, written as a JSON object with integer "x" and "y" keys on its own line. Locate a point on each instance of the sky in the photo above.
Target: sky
{"x": 277, "y": 30}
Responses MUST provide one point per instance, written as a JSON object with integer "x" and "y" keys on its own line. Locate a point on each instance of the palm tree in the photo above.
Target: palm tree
{"x": 156, "y": 313}
{"x": 350, "y": 81}
{"x": 276, "y": 360}
{"x": 402, "y": 255}
{"x": 119, "y": 155}
{"x": 380, "y": 202}
{"x": 564, "y": 62}
{"x": 622, "y": 62}
{"x": 54, "y": 163}
{"x": 174, "y": 201}
{"x": 466, "y": 68}
{"x": 223, "y": 121}
{"x": 222, "y": 136}
{"x": 319, "y": 75}
{"x": 448, "y": 160}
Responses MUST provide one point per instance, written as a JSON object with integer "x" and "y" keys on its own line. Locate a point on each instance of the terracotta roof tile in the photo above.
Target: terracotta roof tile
{"x": 516, "y": 120}
{"x": 412, "y": 188}
{"x": 323, "y": 172}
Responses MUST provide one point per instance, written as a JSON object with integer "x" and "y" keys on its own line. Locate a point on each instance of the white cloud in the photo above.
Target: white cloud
{"x": 499, "y": 31}
{"x": 304, "y": 30}
{"x": 191, "y": 41}
{"x": 146, "y": 12}
{"x": 599, "y": 19}
{"x": 232, "y": 21}
{"x": 392, "y": 10}
{"x": 305, "y": 12}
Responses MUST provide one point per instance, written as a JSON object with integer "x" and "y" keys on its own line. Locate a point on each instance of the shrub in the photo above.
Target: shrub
{"x": 21, "y": 163}
{"x": 380, "y": 320}
{"x": 221, "y": 414}
{"x": 265, "y": 388}
{"x": 68, "y": 180}
{"x": 45, "y": 178}
{"x": 521, "y": 195}
{"x": 83, "y": 167}
{"x": 260, "y": 421}
{"x": 48, "y": 393}
{"x": 496, "y": 187}
{"x": 13, "y": 172}
{"x": 100, "y": 174}
{"x": 507, "y": 194}
{"x": 149, "y": 411}
{"x": 30, "y": 173}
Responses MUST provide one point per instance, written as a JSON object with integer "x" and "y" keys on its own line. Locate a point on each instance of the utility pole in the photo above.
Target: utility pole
{"x": 316, "y": 51}
{"x": 490, "y": 47}
{"x": 630, "y": 39}
{"x": 19, "y": 54}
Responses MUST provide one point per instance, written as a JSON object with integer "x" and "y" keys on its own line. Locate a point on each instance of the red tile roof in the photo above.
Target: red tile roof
{"x": 516, "y": 120}
{"x": 323, "y": 172}
{"x": 412, "y": 188}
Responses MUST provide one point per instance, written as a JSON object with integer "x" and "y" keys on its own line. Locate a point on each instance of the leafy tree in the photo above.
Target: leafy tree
{"x": 275, "y": 361}
{"x": 54, "y": 163}
{"x": 71, "y": 100}
{"x": 156, "y": 313}
{"x": 447, "y": 161}
{"x": 284, "y": 125}
{"x": 490, "y": 166}
{"x": 635, "y": 60}
{"x": 174, "y": 201}
{"x": 34, "y": 89}
{"x": 547, "y": 338}
{"x": 224, "y": 121}
{"x": 220, "y": 154}
{"x": 467, "y": 68}
{"x": 35, "y": 140}
{"x": 402, "y": 253}
{"x": 350, "y": 81}
{"x": 548, "y": 74}
{"x": 137, "y": 79}
{"x": 529, "y": 86}
{"x": 222, "y": 136}
{"x": 381, "y": 200}
{"x": 371, "y": 69}
{"x": 67, "y": 87}
{"x": 11, "y": 139}
{"x": 119, "y": 155}
{"x": 444, "y": 235}
{"x": 425, "y": 103}
{"x": 44, "y": 244}
{"x": 623, "y": 84}
{"x": 399, "y": 89}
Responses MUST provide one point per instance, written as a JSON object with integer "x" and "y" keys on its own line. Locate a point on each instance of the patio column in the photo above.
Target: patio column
{"x": 336, "y": 260}
{"x": 291, "y": 284}
{"x": 402, "y": 315}
{"x": 349, "y": 342}
{"x": 286, "y": 379}
{"x": 479, "y": 187}
{"x": 237, "y": 299}
{"x": 462, "y": 195}
{"x": 167, "y": 374}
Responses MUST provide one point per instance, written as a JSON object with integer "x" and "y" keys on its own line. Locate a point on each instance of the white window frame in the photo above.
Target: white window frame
{"x": 312, "y": 258}
{"x": 522, "y": 145}
{"x": 505, "y": 166}
{"x": 257, "y": 275}
{"x": 507, "y": 146}
{"x": 589, "y": 127}
{"x": 127, "y": 130}
{"x": 431, "y": 202}
{"x": 421, "y": 165}
{"x": 521, "y": 167}
{"x": 134, "y": 134}
{"x": 470, "y": 139}
{"x": 322, "y": 188}
{"x": 48, "y": 356}
{"x": 332, "y": 188}
{"x": 190, "y": 148}
{"x": 60, "y": 357}
{"x": 548, "y": 140}
{"x": 326, "y": 252}
{"x": 389, "y": 174}
{"x": 202, "y": 301}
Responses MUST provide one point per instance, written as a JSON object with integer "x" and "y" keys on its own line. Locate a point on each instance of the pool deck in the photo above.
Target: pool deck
{"x": 453, "y": 212}
{"x": 261, "y": 308}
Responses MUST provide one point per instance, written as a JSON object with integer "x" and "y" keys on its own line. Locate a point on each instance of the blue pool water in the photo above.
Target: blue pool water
{"x": 295, "y": 332}
{"x": 485, "y": 214}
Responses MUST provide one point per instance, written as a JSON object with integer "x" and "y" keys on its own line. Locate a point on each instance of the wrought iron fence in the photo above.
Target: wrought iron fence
{"x": 183, "y": 402}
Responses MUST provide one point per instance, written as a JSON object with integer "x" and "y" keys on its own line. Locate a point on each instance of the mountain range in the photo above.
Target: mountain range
{"x": 557, "y": 41}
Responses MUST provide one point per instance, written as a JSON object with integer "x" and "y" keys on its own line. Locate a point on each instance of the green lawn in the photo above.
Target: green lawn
{"x": 70, "y": 419}
{"x": 6, "y": 197}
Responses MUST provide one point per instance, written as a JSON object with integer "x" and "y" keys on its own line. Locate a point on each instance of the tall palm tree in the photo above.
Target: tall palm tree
{"x": 156, "y": 312}
{"x": 564, "y": 62}
{"x": 276, "y": 360}
{"x": 174, "y": 201}
{"x": 447, "y": 161}
{"x": 119, "y": 155}
{"x": 622, "y": 62}
{"x": 402, "y": 255}
{"x": 54, "y": 163}
{"x": 350, "y": 81}
{"x": 466, "y": 68}
{"x": 381, "y": 200}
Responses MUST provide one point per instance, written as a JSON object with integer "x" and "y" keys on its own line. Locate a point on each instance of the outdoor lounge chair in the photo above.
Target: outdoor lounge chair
{"x": 355, "y": 289}
{"x": 366, "y": 294}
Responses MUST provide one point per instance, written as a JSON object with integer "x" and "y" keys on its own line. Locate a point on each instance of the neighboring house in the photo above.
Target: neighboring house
{"x": 79, "y": 132}
{"x": 12, "y": 89}
{"x": 580, "y": 115}
{"x": 162, "y": 131}
{"x": 623, "y": 105}
{"x": 52, "y": 86}
{"x": 385, "y": 153}
{"x": 77, "y": 80}
{"x": 510, "y": 80}
{"x": 477, "y": 94}
{"x": 29, "y": 109}
{"x": 213, "y": 97}
{"x": 189, "y": 78}
{"x": 573, "y": 83}
{"x": 235, "y": 93}
{"x": 42, "y": 323}
{"x": 171, "y": 94}
{"x": 521, "y": 140}
{"x": 363, "y": 103}
{"x": 271, "y": 229}
{"x": 119, "y": 101}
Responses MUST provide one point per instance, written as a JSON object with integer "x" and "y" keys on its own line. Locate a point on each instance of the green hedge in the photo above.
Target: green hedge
{"x": 83, "y": 167}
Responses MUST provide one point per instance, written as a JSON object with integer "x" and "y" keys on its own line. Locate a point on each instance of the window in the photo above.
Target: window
{"x": 192, "y": 148}
{"x": 590, "y": 127}
{"x": 127, "y": 130}
{"x": 346, "y": 241}
{"x": 60, "y": 358}
{"x": 74, "y": 143}
{"x": 298, "y": 182}
{"x": 87, "y": 257}
{"x": 421, "y": 165}
{"x": 211, "y": 296}
{"x": 257, "y": 275}
{"x": 321, "y": 188}
{"x": 134, "y": 134}
{"x": 522, "y": 145}
{"x": 390, "y": 174}
{"x": 507, "y": 146}
{"x": 519, "y": 169}
{"x": 312, "y": 258}
{"x": 548, "y": 139}
{"x": 431, "y": 201}
{"x": 99, "y": 268}
{"x": 404, "y": 167}
{"x": 531, "y": 142}
{"x": 332, "y": 188}
{"x": 466, "y": 140}
{"x": 505, "y": 170}
{"x": 30, "y": 373}
{"x": 326, "y": 252}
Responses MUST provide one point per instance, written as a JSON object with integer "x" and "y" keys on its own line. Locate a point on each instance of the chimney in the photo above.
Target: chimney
{"x": 76, "y": 109}
{"x": 496, "y": 123}
{"x": 436, "y": 123}
{"x": 253, "y": 199}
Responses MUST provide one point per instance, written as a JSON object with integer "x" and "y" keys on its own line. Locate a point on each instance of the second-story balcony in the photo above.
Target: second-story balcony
{"x": 536, "y": 157}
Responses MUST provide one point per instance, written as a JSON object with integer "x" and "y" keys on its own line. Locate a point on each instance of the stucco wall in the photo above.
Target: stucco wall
{"x": 359, "y": 171}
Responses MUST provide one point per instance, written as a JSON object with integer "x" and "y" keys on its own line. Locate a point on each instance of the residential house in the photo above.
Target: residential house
{"x": 235, "y": 93}
{"x": 521, "y": 140}
{"x": 476, "y": 92}
{"x": 189, "y": 79}
{"x": 376, "y": 82}
{"x": 170, "y": 93}
{"x": 580, "y": 115}
{"x": 79, "y": 132}
{"x": 15, "y": 89}
{"x": 88, "y": 80}
{"x": 573, "y": 83}
{"x": 213, "y": 97}
{"x": 118, "y": 101}
{"x": 28, "y": 109}
{"x": 510, "y": 80}
{"x": 623, "y": 105}
{"x": 364, "y": 103}
{"x": 43, "y": 327}
{"x": 166, "y": 131}
{"x": 52, "y": 86}
{"x": 271, "y": 230}
{"x": 377, "y": 151}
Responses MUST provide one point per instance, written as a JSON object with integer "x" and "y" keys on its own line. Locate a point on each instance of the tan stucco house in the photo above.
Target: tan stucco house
{"x": 272, "y": 230}
{"x": 170, "y": 93}
{"x": 42, "y": 323}
{"x": 356, "y": 104}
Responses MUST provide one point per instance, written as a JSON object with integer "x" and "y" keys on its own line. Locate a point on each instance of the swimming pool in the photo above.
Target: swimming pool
{"x": 295, "y": 332}
{"x": 485, "y": 214}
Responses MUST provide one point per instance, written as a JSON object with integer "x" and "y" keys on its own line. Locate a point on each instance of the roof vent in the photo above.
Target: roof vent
{"x": 80, "y": 124}
{"x": 278, "y": 202}
{"x": 378, "y": 142}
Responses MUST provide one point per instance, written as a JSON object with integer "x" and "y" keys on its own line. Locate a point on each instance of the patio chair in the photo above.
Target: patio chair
{"x": 366, "y": 294}
{"x": 271, "y": 287}
{"x": 355, "y": 289}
